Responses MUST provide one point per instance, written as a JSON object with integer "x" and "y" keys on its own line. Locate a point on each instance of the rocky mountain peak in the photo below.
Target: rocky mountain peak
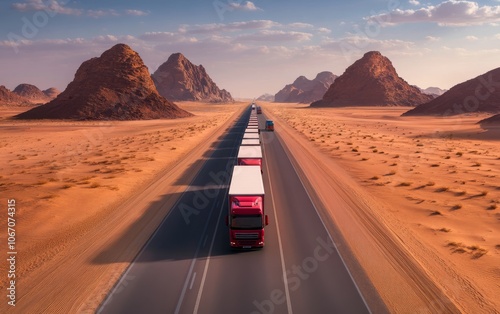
{"x": 31, "y": 93}
{"x": 115, "y": 86}
{"x": 480, "y": 94}
{"x": 179, "y": 79}
{"x": 304, "y": 90}
{"x": 371, "y": 81}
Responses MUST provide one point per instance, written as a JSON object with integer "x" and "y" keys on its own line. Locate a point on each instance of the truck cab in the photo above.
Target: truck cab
{"x": 246, "y": 222}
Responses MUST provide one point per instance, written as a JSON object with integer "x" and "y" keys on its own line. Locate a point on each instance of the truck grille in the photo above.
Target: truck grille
{"x": 246, "y": 236}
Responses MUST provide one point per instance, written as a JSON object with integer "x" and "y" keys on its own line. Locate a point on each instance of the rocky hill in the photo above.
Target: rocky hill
{"x": 266, "y": 97}
{"x": 303, "y": 90}
{"x": 434, "y": 91}
{"x": 480, "y": 94}
{"x": 32, "y": 93}
{"x": 371, "y": 81}
{"x": 9, "y": 98}
{"x": 491, "y": 121}
{"x": 178, "y": 79}
{"x": 115, "y": 86}
{"x": 52, "y": 92}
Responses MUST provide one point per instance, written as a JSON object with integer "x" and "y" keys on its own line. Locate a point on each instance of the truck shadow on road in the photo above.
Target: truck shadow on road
{"x": 188, "y": 225}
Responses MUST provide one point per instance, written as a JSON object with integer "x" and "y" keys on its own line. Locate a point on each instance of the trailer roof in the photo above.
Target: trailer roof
{"x": 251, "y": 135}
{"x": 246, "y": 180}
{"x": 250, "y": 152}
{"x": 250, "y": 142}
{"x": 250, "y": 130}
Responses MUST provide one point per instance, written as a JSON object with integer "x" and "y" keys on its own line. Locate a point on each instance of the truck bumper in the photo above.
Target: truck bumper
{"x": 246, "y": 244}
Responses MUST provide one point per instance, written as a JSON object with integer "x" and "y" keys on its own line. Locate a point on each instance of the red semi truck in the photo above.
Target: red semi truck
{"x": 246, "y": 218}
{"x": 250, "y": 156}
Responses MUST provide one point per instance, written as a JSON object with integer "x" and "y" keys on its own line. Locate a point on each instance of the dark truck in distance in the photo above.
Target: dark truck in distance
{"x": 269, "y": 125}
{"x": 259, "y": 110}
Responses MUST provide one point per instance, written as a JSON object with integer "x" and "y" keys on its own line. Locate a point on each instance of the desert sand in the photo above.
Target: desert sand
{"x": 431, "y": 183}
{"x": 73, "y": 183}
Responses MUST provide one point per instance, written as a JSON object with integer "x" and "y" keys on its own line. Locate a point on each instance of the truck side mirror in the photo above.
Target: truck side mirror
{"x": 266, "y": 220}
{"x": 227, "y": 221}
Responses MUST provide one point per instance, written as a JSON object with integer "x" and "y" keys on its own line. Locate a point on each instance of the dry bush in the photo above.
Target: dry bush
{"x": 94, "y": 185}
{"x": 442, "y": 189}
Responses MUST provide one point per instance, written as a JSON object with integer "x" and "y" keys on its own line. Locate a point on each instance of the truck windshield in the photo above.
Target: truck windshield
{"x": 246, "y": 222}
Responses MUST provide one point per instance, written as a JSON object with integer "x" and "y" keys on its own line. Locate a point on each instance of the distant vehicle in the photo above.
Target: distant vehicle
{"x": 253, "y": 106}
{"x": 269, "y": 125}
{"x": 259, "y": 110}
{"x": 246, "y": 218}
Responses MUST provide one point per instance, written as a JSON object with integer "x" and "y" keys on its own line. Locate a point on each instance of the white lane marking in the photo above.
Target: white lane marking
{"x": 205, "y": 270}
{"x": 119, "y": 283}
{"x": 285, "y": 280}
{"x": 326, "y": 229}
{"x": 192, "y": 281}
{"x": 193, "y": 261}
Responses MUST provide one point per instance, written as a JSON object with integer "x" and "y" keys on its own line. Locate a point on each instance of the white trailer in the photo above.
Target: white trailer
{"x": 251, "y": 136}
{"x": 250, "y": 142}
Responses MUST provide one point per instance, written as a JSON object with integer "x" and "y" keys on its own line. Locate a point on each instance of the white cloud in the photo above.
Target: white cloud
{"x": 157, "y": 36}
{"x": 245, "y": 6}
{"x": 106, "y": 39}
{"x": 471, "y": 38}
{"x": 354, "y": 46}
{"x": 300, "y": 25}
{"x": 414, "y": 2}
{"x": 136, "y": 12}
{"x": 58, "y": 7}
{"x": 432, "y": 38}
{"x": 220, "y": 27}
{"x": 45, "y": 5}
{"x": 101, "y": 13}
{"x": 275, "y": 36}
{"x": 323, "y": 30}
{"x": 447, "y": 13}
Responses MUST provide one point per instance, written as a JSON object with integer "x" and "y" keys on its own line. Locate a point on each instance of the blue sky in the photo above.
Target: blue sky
{"x": 252, "y": 47}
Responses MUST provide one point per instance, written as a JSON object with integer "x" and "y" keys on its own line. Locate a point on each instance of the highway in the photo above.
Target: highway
{"x": 187, "y": 265}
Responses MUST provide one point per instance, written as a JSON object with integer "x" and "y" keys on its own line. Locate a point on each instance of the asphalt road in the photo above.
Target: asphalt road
{"x": 187, "y": 266}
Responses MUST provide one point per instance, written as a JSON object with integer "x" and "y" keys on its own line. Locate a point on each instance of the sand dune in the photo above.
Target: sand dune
{"x": 438, "y": 180}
